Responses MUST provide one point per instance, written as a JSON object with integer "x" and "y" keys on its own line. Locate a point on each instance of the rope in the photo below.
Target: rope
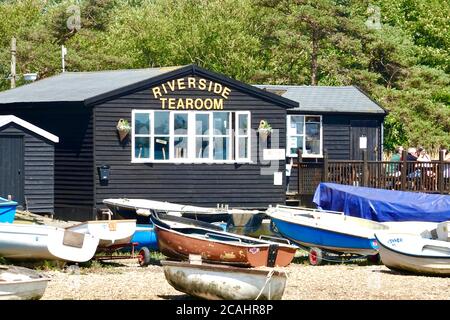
{"x": 268, "y": 278}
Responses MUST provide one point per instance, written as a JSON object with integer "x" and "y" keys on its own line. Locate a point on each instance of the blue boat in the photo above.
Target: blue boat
{"x": 144, "y": 236}
{"x": 326, "y": 230}
{"x": 382, "y": 205}
{"x": 7, "y": 210}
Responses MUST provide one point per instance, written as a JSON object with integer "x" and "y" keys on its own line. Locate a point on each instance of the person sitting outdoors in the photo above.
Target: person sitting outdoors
{"x": 447, "y": 164}
{"x": 393, "y": 168}
{"x": 424, "y": 157}
{"x": 411, "y": 171}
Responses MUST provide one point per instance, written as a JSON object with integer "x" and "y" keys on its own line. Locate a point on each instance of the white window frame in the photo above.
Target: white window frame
{"x": 229, "y": 136}
{"x": 288, "y": 136}
{"x": 248, "y": 135}
{"x": 149, "y": 135}
{"x": 172, "y": 136}
{"x": 232, "y": 136}
{"x": 208, "y": 135}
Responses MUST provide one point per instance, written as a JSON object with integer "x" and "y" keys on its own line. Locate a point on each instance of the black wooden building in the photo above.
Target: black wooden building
{"x": 338, "y": 122}
{"x": 27, "y": 164}
{"x": 190, "y": 165}
{"x": 193, "y": 136}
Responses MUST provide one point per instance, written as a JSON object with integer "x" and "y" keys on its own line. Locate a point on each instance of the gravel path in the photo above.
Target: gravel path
{"x": 129, "y": 281}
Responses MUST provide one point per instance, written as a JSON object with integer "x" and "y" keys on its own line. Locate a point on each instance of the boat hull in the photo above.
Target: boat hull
{"x": 180, "y": 246}
{"x": 7, "y": 210}
{"x": 145, "y": 236}
{"x": 333, "y": 241}
{"x": 130, "y": 209}
{"x": 128, "y": 213}
{"x": 110, "y": 232}
{"x": 32, "y": 289}
{"x": 398, "y": 259}
{"x": 40, "y": 242}
{"x": 18, "y": 283}
{"x": 215, "y": 282}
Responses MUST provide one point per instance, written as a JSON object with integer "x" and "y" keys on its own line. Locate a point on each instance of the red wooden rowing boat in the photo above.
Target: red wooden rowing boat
{"x": 180, "y": 237}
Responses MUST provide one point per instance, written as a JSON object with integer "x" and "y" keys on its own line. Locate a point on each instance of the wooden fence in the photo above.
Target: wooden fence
{"x": 430, "y": 177}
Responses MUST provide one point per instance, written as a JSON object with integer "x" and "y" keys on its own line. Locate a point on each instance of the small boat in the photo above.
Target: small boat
{"x": 141, "y": 209}
{"x": 41, "y": 242}
{"x": 382, "y": 205}
{"x": 18, "y": 283}
{"x": 414, "y": 254}
{"x": 326, "y": 229}
{"x": 7, "y": 210}
{"x": 179, "y": 237}
{"x": 145, "y": 236}
{"x": 109, "y": 232}
{"x": 219, "y": 282}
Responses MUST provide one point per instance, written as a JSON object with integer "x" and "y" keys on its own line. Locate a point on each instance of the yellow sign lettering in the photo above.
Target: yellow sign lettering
{"x": 163, "y": 102}
{"x": 218, "y": 104}
{"x": 156, "y": 92}
{"x": 209, "y": 103}
{"x": 202, "y": 84}
{"x": 191, "y": 82}
{"x": 181, "y": 85}
{"x": 172, "y": 103}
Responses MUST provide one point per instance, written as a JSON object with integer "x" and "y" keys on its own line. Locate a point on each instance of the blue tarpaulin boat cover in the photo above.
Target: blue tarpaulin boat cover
{"x": 382, "y": 205}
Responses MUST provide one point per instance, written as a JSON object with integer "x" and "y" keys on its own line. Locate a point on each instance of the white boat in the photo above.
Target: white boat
{"x": 41, "y": 242}
{"x": 109, "y": 232}
{"x": 326, "y": 229}
{"x": 335, "y": 231}
{"x": 415, "y": 254}
{"x": 141, "y": 210}
{"x": 17, "y": 283}
{"x": 219, "y": 282}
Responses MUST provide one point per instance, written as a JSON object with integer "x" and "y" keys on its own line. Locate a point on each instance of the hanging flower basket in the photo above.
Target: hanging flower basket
{"x": 264, "y": 130}
{"x": 124, "y": 128}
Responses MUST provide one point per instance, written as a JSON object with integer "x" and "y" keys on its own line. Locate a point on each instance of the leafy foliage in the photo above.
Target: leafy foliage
{"x": 404, "y": 64}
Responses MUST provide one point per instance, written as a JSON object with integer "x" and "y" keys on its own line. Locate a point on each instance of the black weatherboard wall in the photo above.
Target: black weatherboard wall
{"x": 73, "y": 159}
{"x": 201, "y": 184}
{"x": 33, "y": 155}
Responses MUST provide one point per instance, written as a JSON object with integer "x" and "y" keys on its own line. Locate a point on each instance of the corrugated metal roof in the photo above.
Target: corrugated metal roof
{"x": 320, "y": 99}
{"x": 78, "y": 86}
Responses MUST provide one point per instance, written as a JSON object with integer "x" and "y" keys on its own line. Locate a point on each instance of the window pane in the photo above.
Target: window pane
{"x": 202, "y": 124}
{"x": 161, "y": 148}
{"x": 141, "y": 123}
{"x": 296, "y": 125}
{"x": 180, "y": 149}
{"x": 312, "y": 146}
{"x": 180, "y": 123}
{"x": 202, "y": 148}
{"x": 312, "y": 119}
{"x": 313, "y": 130}
{"x": 295, "y": 143}
{"x": 142, "y": 148}
{"x": 243, "y": 148}
{"x": 243, "y": 124}
{"x": 161, "y": 122}
{"x": 221, "y": 148}
{"x": 221, "y": 123}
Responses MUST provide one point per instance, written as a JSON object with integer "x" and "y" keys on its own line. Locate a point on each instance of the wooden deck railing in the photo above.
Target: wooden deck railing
{"x": 432, "y": 177}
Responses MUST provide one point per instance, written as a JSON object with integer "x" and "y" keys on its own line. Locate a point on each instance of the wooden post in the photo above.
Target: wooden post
{"x": 325, "y": 166}
{"x": 404, "y": 167}
{"x": 63, "y": 55}
{"x": 299, "y": 175}
{"x": 365, "y": 169}
{"x": 440, "y": 175}
{"x": 13, "y": 63}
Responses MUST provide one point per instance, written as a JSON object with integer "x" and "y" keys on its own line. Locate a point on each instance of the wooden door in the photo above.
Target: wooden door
{"x": 369, "y": 129}
{"x": 11, "y": 168}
